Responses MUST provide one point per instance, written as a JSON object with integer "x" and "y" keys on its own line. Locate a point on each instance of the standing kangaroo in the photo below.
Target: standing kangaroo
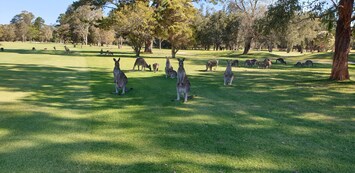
{"x": 228, "y": 74}
{"x": 168, "y": 67}
{"x": 120, "y": 79}
{"x": 183, "y": 83}
{"x": 155, "y": 67}
{"x": 211, "y": 63}
{"x": 141, "y": 62}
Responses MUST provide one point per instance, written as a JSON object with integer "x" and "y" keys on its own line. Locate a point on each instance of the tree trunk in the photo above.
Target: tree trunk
{"x": 340, "y": 69}
{"x": 173, "y": 51}
{"x": 148, "y": 46}
{"x": 137, "y": 50}
{"x": 160, "y": 43}
{"x": 247, "y": 45}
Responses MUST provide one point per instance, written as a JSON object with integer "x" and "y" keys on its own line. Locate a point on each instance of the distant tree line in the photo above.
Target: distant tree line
{"x": 176, "y": 24}
{"x": 25, "y": 27}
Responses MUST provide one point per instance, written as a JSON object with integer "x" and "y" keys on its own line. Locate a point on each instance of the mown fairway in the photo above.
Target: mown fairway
{"x": 58, "y": 114}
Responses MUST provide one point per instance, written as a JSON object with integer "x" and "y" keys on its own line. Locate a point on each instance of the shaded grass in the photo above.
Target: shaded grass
{"x": 58, "y": 114}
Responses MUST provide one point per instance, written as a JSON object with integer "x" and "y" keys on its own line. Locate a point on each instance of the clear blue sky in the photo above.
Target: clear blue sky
{"x": 49, "y": 10}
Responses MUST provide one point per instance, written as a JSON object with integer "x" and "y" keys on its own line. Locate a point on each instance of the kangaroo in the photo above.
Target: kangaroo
{"x": 308, "y": 63}
{"x": 172, "y": 73}
{"x": 120, "y": 79}
{"x": 281, "y": 60}
{"x": 247, "y": 63}
{"x": 253, "y": 62}
{"x": 183, "y": 83}
{"x": 101, "y": 52}
{"x": 54, "y": 48}
{"x": 267, "y": 62}
{"x": 33, "y": 48}
{"x": 298, "y": 64}
{"x": 228, "y": 74}
{"x": 168, "y": 68}
{"x": 211, "y": 63}
{"x": 155, "y": 67}
{"x": 67, "y": 50}
{"x": 108, "y": 52}
{"x": 141, "y": 62}
{"x": 235, "y": 63}
{"x": 2, "y": 49}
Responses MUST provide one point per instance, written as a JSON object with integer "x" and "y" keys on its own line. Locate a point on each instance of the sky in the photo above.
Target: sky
{"x": 49, "y": 10}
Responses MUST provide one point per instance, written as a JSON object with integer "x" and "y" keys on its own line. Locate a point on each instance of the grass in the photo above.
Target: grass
{"x": 58, "y": 114}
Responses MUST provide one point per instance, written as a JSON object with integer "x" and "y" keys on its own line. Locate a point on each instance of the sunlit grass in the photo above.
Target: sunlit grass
{"x": 58, "y": 114}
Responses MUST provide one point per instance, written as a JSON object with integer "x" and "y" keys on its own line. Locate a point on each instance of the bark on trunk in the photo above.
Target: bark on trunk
{"x": 148, "y": 46}
{"x": 173, "y": 51}
{"x": 247, "y": 45}
{"x": 340, "y": 69}
{"x": 160, "y": 43}
{"x": 137, "y": 50}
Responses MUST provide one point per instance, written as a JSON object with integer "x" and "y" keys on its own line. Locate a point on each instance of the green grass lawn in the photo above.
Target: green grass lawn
{"x": 58, "y": 114}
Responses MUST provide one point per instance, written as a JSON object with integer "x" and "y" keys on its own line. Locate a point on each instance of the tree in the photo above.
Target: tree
{"x": 22, "y": 22}
{"x": 344, "y": 11}
{"x": 217, "y": 26}
{"x": 46, "y": 33}
{"x": 250, "y": 11}
{"x": 83, "y": 17}
{"x": 8, "y": 32}
{"x": 231, "y": 32}
{"x": 178, "y": 16}
{"x": 340, "y": 69}
{"x": 136, "y": 22}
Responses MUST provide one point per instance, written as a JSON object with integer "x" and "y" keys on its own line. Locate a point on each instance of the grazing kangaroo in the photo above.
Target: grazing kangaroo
{"x": 141, "y": 62}
{"x": 2, "y": 49}
{"x": 250, "y": 62}
{"x": 228, "y": 74}
{"x": 120, "y": 79}
{"x": 211, "y": 63}
{"x": 235, "y": 63}
{"x": 168, "y": 68}
{"x": 155, "y": 67}
{"x": 183, "y": 83}
{"x": 308, "y": 63}
{"x": 298, "y": 64}
{"x": 281, "y": 60}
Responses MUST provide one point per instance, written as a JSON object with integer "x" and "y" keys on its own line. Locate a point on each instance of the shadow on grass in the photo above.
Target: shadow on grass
{"x": 293, "y": 121}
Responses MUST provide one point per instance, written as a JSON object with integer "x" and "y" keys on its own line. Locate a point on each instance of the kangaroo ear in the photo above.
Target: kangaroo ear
{"x": 119, "y": 59}
{"x": 183, "y": 59}
{"x": 114, "y": 59}
{"x": 178, "y": 59}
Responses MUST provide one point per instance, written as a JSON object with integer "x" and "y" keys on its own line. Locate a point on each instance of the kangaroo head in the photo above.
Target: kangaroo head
{"x": 117, "y": 62}
{"x": 181, "y": 62}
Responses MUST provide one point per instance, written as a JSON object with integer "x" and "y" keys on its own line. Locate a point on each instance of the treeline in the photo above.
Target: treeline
{"x": 176, "y": 24}
{"x": 25, "y": 27}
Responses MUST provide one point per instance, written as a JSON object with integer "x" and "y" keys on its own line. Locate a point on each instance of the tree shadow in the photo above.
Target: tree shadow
{"x": 290, "y": 120}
